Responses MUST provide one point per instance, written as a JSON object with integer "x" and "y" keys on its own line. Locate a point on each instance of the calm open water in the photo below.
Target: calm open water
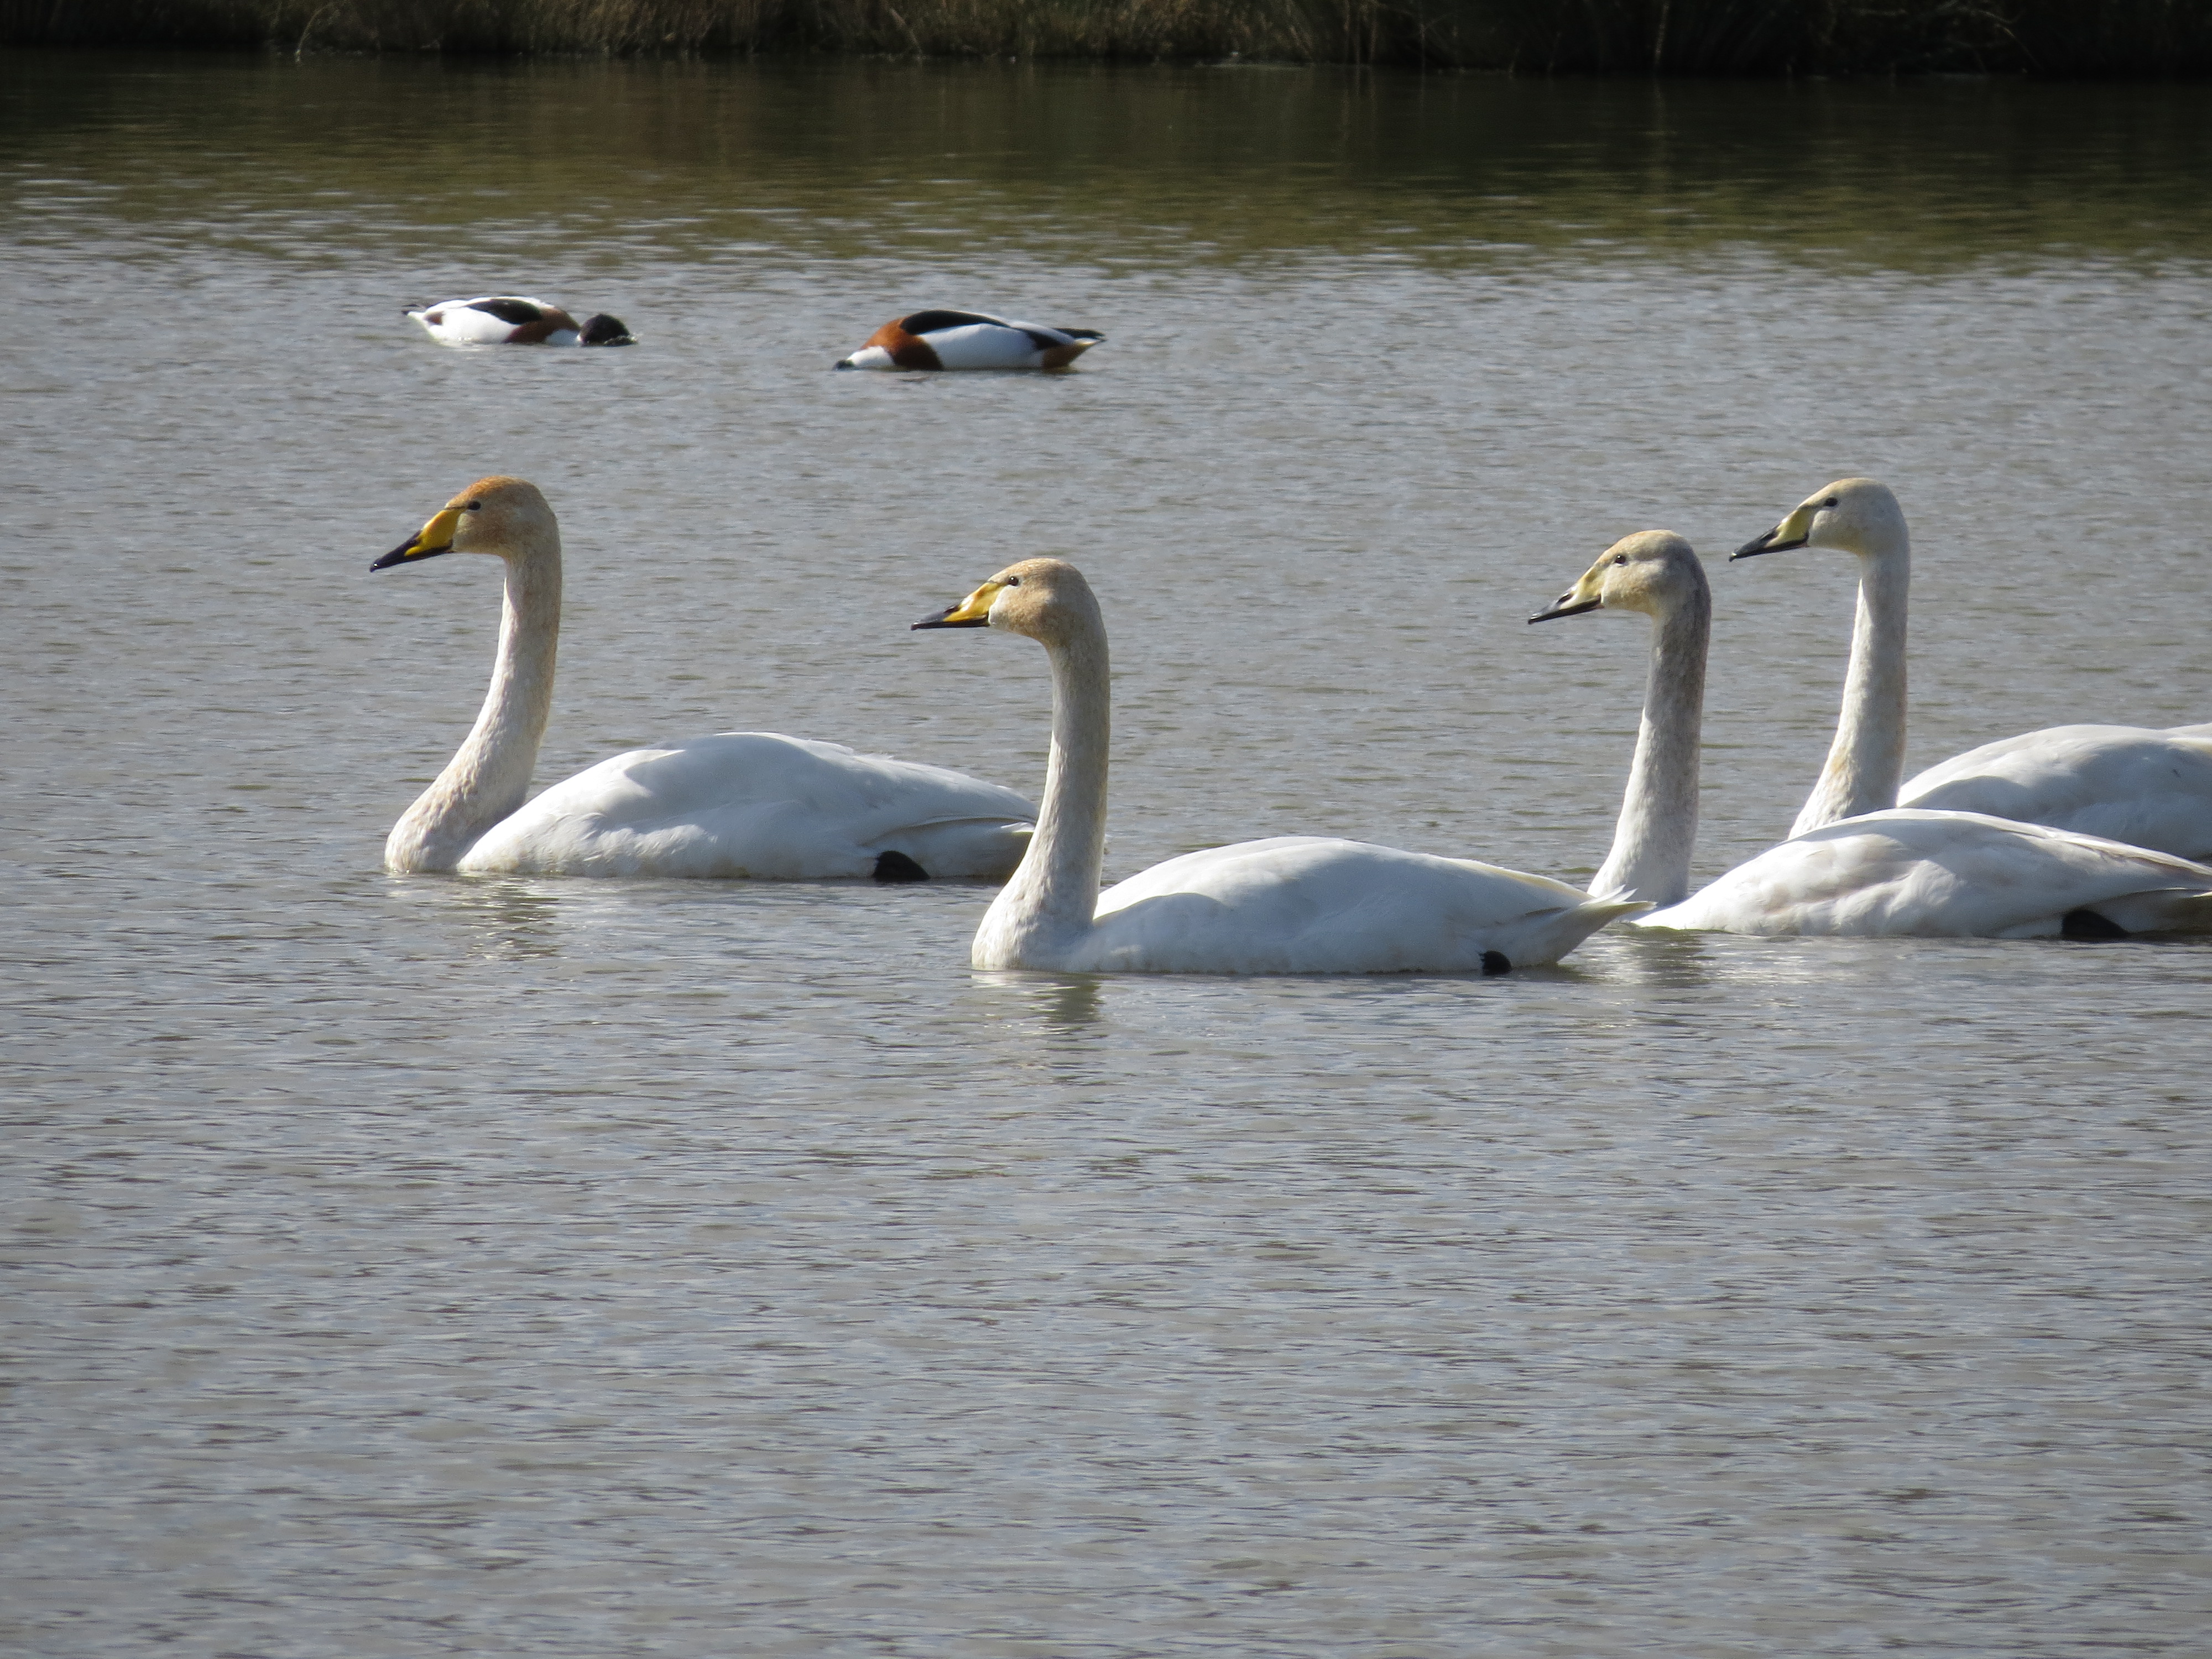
{"x": 431, "y": 1266}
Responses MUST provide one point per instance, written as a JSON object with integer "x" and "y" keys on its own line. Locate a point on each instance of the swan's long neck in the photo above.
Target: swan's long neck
{"x": 1047, "y": 908}
{"x": 1658, "y": 827}
{"x": 489, "y": 775}
{"x": 1866, "y": 763}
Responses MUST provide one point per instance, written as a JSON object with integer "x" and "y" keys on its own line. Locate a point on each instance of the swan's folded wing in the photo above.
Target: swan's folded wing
{"x": 1915, "y": 871}
{"x": 751, "y": 803}
{"x": 2140, "y": 786}
{"x": 1312, "y": 904}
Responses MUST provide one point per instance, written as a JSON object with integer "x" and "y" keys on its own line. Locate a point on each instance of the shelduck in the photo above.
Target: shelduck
{"x": 515, "y": 319}
{"x": 969, "y": 339}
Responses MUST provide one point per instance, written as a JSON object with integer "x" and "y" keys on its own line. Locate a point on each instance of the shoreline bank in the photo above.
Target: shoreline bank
{"x": 2052, "y": 39}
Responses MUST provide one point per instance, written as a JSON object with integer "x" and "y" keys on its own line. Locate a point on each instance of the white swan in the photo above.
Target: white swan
{"x": 1910, "y": 870}
{"x": 2140, "y": 785}
{"x": 1901, "y": 871}
{"x": 2137, "y": 785}
{"x": 1656, "y": 572}
{"x": 1294, "y": 905}
{"x": 739, "y": 804}
{"x": 969, "y": 339}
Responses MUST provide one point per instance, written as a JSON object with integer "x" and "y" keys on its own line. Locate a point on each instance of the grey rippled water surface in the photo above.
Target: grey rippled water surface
{"x": 435, "y": 1267}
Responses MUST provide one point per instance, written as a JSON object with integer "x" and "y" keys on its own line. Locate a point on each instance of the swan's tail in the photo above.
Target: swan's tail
{"x": 961, "y": 849}
{"x": 1550, "y": 934}
{"x": 2168, "y": 910}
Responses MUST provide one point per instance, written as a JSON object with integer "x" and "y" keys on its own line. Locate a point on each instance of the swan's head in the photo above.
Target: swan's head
{"x": 1858, "y": 516}
{"x": 498, "y": 515}
{"x": 1046, "y": 600}
{"x": 1654, "y": 571}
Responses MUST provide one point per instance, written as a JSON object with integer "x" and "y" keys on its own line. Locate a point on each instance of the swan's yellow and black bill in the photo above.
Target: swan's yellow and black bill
{"x": 432, "y": 539}
{"x": 974, "y": 611}
{"x": 1569, "y": 603}
{"x": 1792, "y": 531}
{"x": 1587, "y": 594}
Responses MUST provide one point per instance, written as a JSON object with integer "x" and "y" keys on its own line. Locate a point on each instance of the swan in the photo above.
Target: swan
{"x": 1292, "y": 904}
{"x": 737, "y": 804}
{"x": 2140, "y": 786}
{"x": 1915, "y": 871}
{"x": 969, "y": 339}
{"x": 1657, "y": 572}
{"x": 1897, "y": 871}
{"x": 512, "y": 319}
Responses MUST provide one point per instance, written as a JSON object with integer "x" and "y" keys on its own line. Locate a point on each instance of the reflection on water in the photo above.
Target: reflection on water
{"x": 693, "y": 160}
{"x": 512, "y": 920}
{"x": 1667, "y": 961}
{"x": 1056, "y": 1002}
{"x": 613, "y": 1269}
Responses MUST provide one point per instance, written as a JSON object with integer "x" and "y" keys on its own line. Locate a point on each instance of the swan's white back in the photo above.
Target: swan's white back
{"x": 1911, "y": 871}
{"x": 759, "y": 805}
{"x": 2126, "y": 783}
{"x": 1309, "y": 904}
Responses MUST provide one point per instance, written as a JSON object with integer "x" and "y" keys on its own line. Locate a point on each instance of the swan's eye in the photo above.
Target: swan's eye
{"x": 1011, "y": 581}
{"x": 1620, "y": 558}
{"x": 472, "y": 506}
{"x": 1831, "y": 501}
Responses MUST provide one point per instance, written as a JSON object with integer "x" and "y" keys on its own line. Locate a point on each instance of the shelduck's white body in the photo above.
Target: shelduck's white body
{"x": 750, "y": 804}
{"x": 1291, "y": 904}
{"x": 969, "y": 339}
{"x": 514, "y": 319}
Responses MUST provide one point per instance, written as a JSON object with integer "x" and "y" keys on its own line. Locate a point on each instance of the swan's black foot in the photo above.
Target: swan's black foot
{"x": 1494, "y": 962}
{"x": 897, "y": 866}
{"x": 2088, "y": 924}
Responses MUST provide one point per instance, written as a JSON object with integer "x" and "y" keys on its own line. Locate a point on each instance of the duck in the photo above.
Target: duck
{"x": 970, "y": 339}
{"x": 738, "y": 805}
{"x": 514, "y": 319}
{"x": 1288, "y": 905}
{"x": 2142, "y": 786}
{"x": 1895, "y": 871}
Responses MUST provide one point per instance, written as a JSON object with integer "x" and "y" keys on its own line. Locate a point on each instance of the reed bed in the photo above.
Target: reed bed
{"x": 2160, "y": 37}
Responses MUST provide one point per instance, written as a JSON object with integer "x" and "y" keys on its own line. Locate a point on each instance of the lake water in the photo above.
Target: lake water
{"x": 551, "y": 1268}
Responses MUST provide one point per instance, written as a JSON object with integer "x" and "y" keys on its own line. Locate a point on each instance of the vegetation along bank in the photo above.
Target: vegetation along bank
{"x": 2074, "y": 38}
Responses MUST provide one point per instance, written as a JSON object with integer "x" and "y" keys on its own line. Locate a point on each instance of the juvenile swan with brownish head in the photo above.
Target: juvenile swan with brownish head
{"x": 1892, "y": 871}
{"x": 2140, "y": 785}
